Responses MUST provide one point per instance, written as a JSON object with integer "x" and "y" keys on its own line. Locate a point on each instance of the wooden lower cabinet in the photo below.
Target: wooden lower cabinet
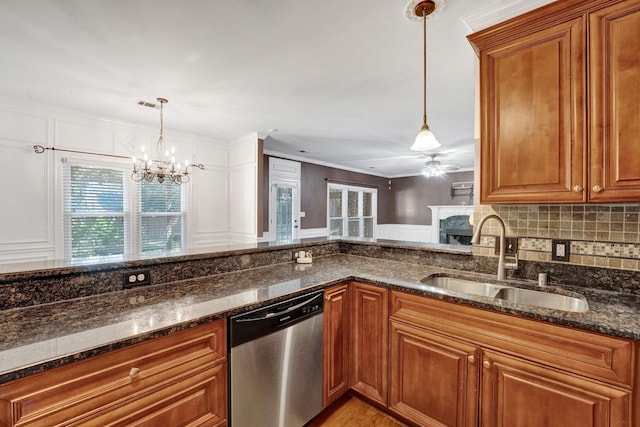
{"x": 369, "y": 341}
{"x": 433, "y": 379}
{"x": 454, "y": 365}
{"x": 336, "y": 336}
{"x": 178, "y": 379}
{"x": 518, "y": 393}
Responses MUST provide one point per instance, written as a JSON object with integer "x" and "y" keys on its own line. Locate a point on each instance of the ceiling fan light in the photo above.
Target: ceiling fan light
{"x": 425, "y": 140}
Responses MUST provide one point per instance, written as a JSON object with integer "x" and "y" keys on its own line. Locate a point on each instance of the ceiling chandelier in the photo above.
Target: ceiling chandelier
{"x": 425, "y": 140}
{"x": 433, "y": 168}
{"x": 164, "y": 170}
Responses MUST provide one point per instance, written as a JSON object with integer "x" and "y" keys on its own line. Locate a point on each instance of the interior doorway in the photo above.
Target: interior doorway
{"x": 284, "y": 199}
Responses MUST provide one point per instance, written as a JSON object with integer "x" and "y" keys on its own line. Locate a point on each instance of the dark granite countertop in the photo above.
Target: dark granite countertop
{"x": 37, "y": 338}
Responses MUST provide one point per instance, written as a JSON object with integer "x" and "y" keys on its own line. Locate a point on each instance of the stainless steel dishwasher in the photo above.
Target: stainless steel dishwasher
{"x": 276, "y": 363}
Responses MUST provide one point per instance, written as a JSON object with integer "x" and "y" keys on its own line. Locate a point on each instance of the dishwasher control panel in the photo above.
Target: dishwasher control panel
{"x": 255, "y": 323}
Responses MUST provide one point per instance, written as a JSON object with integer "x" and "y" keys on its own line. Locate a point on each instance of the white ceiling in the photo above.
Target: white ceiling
{"x": 339, "y": 79}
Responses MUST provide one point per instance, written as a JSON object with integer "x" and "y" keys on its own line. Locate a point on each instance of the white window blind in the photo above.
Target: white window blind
{"x": 97, "y": 218}
{"x": 96, "y": 221}
{"x": 161, "y": 217}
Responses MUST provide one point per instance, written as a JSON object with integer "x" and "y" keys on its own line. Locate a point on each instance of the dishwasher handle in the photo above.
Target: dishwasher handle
{"x": 276, "y": 310}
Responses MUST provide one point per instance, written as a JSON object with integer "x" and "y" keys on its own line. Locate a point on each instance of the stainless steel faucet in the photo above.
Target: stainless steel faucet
{"x": 503, "y": 241}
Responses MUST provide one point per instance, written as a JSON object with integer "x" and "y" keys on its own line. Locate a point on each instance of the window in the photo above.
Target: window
{"x": 351, "y": 211}
{"x": 97, "y": 217}
{"x": 161, "y": 216}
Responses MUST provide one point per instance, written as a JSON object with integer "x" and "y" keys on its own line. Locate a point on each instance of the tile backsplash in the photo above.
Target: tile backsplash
{"x": 603, "y": 235}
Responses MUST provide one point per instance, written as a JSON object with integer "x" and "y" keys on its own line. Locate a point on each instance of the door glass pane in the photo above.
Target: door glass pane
{"x": 352, "y": 206}
{"x": 368, "y": 228}
{"x": 284, "y": 212}
{"x": 367, "y": 208}
{"x": 335, "y": 227}
{"x": 335, "y": 203}
{"x": 354, "y": 228}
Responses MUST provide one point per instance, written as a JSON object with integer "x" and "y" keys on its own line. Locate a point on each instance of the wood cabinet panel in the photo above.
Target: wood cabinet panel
{"x": 433, "y": 379}
{"x": 369, "y": 341}
{"x": 519, "y": 393}
{"x": 593, "y": 355}
{"x": 106, "y": 382}
{"x": 533, "y": 116}
{"x": 197, "y": 400}
{"x": 543, "y": 140}
{"x": 336, "y": 336}
{"x": 615, "y": 102}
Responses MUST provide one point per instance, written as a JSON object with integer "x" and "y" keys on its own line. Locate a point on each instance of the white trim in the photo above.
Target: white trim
{"x": 442, "y": 212}
{"x": 497, "y": 11}
{"x": 319, "y": 162}
{"x": 405, "y": 232}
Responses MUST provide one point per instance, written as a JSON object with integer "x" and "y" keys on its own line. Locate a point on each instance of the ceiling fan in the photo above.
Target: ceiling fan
{"x": 434, "y": 168}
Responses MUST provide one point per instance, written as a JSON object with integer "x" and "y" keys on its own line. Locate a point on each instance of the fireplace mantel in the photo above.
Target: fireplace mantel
{"x": 442, "y": 212}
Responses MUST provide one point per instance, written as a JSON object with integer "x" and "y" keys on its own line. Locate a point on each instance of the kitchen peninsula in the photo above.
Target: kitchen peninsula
{"x": 204, "y": 288}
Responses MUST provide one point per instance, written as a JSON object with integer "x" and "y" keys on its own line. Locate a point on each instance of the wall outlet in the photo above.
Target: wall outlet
{"x": 511, "y": 246}
{"x": 135, "y": 278}
{"x": 560, "y": 249}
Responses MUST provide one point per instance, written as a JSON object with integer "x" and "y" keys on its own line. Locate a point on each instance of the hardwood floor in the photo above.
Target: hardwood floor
{"x": 353, "y": 412}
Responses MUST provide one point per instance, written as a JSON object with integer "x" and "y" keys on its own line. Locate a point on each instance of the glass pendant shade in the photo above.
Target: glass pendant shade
{"x": 425, "y": 140}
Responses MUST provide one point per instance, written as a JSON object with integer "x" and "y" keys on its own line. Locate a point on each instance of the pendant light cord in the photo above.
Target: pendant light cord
{"x": 424, "y": 65}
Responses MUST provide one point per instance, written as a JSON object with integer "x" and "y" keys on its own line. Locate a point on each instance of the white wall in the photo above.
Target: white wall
{"x": 31, "y": 200}
{"x": 243, "y": 189}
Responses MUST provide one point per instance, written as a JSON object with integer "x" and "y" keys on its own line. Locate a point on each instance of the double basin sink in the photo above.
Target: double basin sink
{"x": 508, "y": 293}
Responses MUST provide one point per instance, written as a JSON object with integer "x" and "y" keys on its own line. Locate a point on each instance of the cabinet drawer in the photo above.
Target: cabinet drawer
{"x": 64, "y": 393}
{"x": 585, "y": 353}
{"x": 199, "y": 399}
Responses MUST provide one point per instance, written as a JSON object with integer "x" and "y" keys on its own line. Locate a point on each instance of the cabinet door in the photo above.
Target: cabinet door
{"x": 433, "y": 379}
{"x": 369, "y": 341}
{"x": 517, "y": 393}
{"x": 335, "y": 377}
{"x": 615, "y": 102}
{"x": 532, "y": 90}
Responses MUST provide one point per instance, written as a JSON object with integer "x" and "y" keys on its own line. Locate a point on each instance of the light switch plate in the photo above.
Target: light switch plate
{"x": 560, "y": 249}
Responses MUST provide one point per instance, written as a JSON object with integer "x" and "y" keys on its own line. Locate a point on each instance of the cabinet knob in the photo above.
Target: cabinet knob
{"x": 133, "y": 372}
{"x": 486, "y": 364}
{"x": 577, "y": 188}
{"x": 471, "y": 359}
{"x": 597, "y": 189}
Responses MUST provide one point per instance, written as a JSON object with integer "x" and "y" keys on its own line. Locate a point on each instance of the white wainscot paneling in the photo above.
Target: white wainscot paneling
{"x": 85, "y": 136}
{"x": 209, "y": 203}
{"x": 244, "y": 151}
{"x": 404, "y": 232}
{"x": 26, "y": 219}
{"x": 242, "y": 201}
{"x": 22, "y": 127}
{"x": 211, "y": 155}
{"x": 308, "y": 233}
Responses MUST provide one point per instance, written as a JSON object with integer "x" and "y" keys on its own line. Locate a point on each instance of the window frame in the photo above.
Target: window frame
{"x": 131, "y": 198}
{"x": 360, "y": 217}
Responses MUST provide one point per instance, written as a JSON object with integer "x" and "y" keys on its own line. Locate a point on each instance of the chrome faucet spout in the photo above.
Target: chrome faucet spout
{"x": 503, "y": 241}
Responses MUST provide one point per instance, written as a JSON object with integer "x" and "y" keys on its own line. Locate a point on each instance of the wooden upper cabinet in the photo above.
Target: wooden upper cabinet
{"x": 615, "y": 102}
{"x": 533, "y": 117}
{"x": 557, "y": 127}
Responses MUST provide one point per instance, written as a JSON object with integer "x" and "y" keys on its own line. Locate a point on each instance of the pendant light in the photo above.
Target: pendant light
{"x": 425, "y": 140}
